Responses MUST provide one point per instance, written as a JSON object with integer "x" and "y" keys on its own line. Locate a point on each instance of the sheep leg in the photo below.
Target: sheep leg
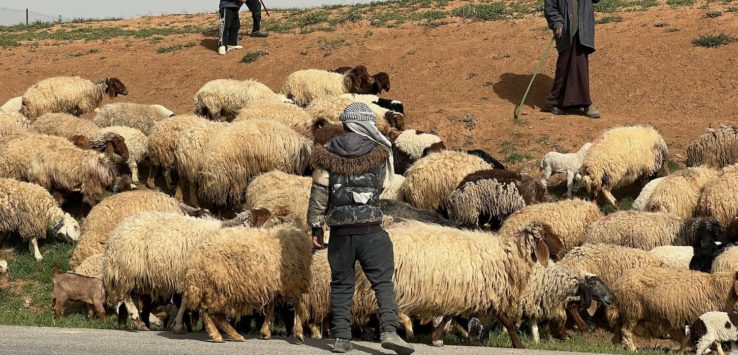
{"x": 440, "y": 331}
{"x": 533, "y": 324}
{"x": 546, "y": 175}
{"x": 265, "y": 331}
{"x": 151, "y": 179}
{"x": 193, "y": 194}
{"x": 569, "y": 183}
{"x": 133, "y": 166}
{"x": 100, "y": 310}
{"x": 168, "y": 178}
{"x": 315, "y": 331}
{"x": 133, "y": 313}
{"x": 508, "y": 324}
{"x": 627, "y": 336}
{"x": 577, "y": 317}
{"x": 223, "y": 324}
{"x": 407, "y": 323}
{"x": 610, "y": 198}
{"x": 33, "y": 247}
{"x": 146, "y": 310}
{"x": 179, "y": 191}
{"x": 211, "y": 329}
{"x": 178, "y": 326}
{"x": 297, "y": 328}
{"x": 719, "y": 348}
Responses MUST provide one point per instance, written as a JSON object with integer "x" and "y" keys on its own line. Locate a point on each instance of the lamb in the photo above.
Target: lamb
{"x": 31, "y": 211}
{"x": 280, "y": 193}
{"x": 664, "y": 300}
{"x": 620, "y": 157}
{"x": 12, "y": 125}
{"x": 304, "y": 86}
{"x": 491, "y": 283}
{"x": 490, "y": 196}
{"x": 91, "y": 267}
{"x": 647, "y": 230}
{"x": 247, "y": 149}
{"x": 330, "y": 108}
{"x": 568, "y": 219}
{"x": 12, "y": 106}
{"x": 718, "y": 198}
{"x": 138, "y": 116}
{"x": 679, "y": 193}
{"x": 411, "y": 145}
{"x": 105, "y": 216}
{"x": 163, "y": 141}
{"x": 221, "y": 99}
{"x": 714, "y": 328}
{"x": 550, "y": 290}
{"x": 261, "y": 266}
{"x": 430, "y": 181}
{"x": 146, "y": 253}
{"x": 72, "y": 287}
{"x": 717, "y": 148}
{"x": 137, "y": 144}
{"x": 189, "y": 153}
{"x": 640, "y": 202}
{"x": 72, "y": 95}
{"x": 570, "y": 163}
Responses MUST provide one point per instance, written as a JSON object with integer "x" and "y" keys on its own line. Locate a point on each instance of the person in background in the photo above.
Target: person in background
{"x": 230, "y": 24}
{"x": 255, "y": 8}
{"x": 573, "y": 24}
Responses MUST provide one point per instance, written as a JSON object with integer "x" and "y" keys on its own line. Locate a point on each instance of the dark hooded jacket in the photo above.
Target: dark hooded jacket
{"x": 230, "y": 4}
{"x": 559, "y": 14}
{"x": 347, "y": 182}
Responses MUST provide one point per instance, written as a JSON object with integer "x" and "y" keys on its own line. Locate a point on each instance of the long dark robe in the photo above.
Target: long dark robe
{"x": 571, "y": 83}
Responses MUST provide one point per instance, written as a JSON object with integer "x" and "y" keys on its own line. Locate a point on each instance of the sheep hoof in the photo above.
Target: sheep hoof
{"x": 140, "y": 325}
{"x": 316, "y": 336}
{"x": 438, "y": 343}
{"x": 179, "y": 330}
{"x": 218, "y": 340}
{"x": 239, "y": 339}
{"x": 266, "y": 337}
{"x": 300, "y": 338}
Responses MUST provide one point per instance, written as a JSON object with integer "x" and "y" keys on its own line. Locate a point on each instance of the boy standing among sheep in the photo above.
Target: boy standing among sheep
{"x": 349, "y": 177}
{"x": 230, "y": 23}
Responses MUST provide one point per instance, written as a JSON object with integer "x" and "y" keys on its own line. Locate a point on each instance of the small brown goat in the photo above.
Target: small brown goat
{"x": 73, "y": 287}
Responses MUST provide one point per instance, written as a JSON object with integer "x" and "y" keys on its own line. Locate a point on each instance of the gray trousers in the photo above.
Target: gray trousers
{"x": 376, "y": 257}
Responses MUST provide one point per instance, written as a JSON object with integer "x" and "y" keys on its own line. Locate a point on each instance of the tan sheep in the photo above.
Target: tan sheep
{"x": 622, "y": 156}
{"x": 247, "y": 149}
{"x": 222, "y": 99}
{"x": 137, "y": 144}
{"x": 679, "y": 193}
{"x": 289, "y": 114}
{"x": 31, "y": 211}
{"x": 72, "y": 95}
{"x": 647, "y": 230}
{"x": 138, "y": 116}
{"x": 640, "y": 202}
{"x": 281, "y": 193}
{"x": 727, "y": 261}
{"x": 239, "y": 270}
{"x": 304, "y": 86}
{"x": 430, "y": 181}
{"x": 568, "y": 219}
{"x": 11, "y": 125}
{"x": 718, "y": 197}
{"x": 91, "y": 267}
{"x": 105, "y": 216}
{"x": 663, "y": 300}
{"x": 677, "y": 257}
{"x": 189, "y": 154}
{"x": 331, "y": 107}
{"x": 717, "y": 148}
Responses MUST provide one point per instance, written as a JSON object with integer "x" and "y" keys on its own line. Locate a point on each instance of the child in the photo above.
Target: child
{"x": 230, "y": 24}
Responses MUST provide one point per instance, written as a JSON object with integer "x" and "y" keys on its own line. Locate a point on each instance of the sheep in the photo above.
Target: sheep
{"x": 621, "y": 156}
{"x": 713, "y": 328}
{"x": 679, "y": 193}
{"x": 12, "y": 106}
{"x": 247, "y": 149}
{"x": 163, "y": 141}
{"x": 72, "y": 287}
{"x": 393, "y": 190}
{"x": 411, "y": 145}
{"x": 389, "y": 104}
{"x": 718, "y": 198}
{"x": 640, "y": 202}
{"x": 281, "y": 193}
{"x": 717, "y": 148}
{"x": 647, "y": 230}
{"x": 107, "y": 214}
{"x": 677, "y": 257}
{"x": 221, "y": 99}
{"x": 72, "y": 95}
{"x": 288, "y": 114}
{"x": 727, "y": 261}
{"x": 91, "y": 267}
{"x": 550, "y": 290}
{"x": 138, "y": 116}
{"x": 137, "y": 144}
{"x": 31, "y": 211}
{"x": 490, "y": 196}
{"x": 330, "y": 108}
{"x": 570, "y": 163}
{"x": 304, "y": 86}
{"x": 663, "y": 300}
{"x": 17, "y": 153}
{"x": 239, "y": 270}
{"x": 430, "y": 181}
{"x": 188, "y": 156}
{"x": 569, "y": 219}
{"x": 146, "y": 253}
{"x": 12, "y": 125}
{"x": 490, "y": 283}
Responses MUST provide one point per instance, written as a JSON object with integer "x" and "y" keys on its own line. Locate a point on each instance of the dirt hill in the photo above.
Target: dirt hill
{"x": 458, "y": 73}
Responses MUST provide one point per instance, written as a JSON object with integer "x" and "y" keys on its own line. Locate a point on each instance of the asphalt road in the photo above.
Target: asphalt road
{"x": 28, "y": 340}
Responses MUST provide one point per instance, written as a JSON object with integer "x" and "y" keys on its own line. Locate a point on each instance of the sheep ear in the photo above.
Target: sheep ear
{"x": 80, "y": 141}
{"x": 553, "y": 242}
{"x": 259, "y": 217}
{"x": 541, "y": 252}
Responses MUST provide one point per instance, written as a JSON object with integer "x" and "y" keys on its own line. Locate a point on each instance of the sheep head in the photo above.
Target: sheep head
{"x": 358, "y": 81}
{"x": 395, "y": 119}
{"x": 69, "y": 230}
{"x": 708, "y": 231}
{"x": 324, "y": 131}
{"x": 381, "y": 82}
{"x": 541, "y": 242}
{"x": 81, "y": 142}
{"x": 115, "y": 144}
{"x": 115, "y": 87}
{"x": 592, "y": 288}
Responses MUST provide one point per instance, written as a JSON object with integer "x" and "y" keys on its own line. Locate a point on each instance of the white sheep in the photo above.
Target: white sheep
{"x": 137, "y": 144}
{"x": 330, "y": 108}
{"x": 222, "y": 99}
{"x": 568, "y": 163}
{"x": 714, "y": 328}
{"x": 642, "y": 200}
{"x": 411, "y": 145}
{"x": 72, "y": 95}
{"x": 304, "y": 86}
{"x": 31, "y": 211}
{"x": 141, "y": 117}
{"x": 674, "y": 256}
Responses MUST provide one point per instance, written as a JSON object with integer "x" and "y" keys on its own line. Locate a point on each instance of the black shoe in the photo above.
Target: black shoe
{"x": 392, "y": 341}
{"x": 558, "y": 111}
{"x": 342, "y": 346}
{"x": 260, "y": 34}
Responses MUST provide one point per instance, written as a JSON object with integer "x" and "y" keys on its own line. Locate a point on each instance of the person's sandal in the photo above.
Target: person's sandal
{"x": 592, "y": 112}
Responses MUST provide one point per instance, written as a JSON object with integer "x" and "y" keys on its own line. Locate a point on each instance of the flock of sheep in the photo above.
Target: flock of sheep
{"x": 472, "y": 240}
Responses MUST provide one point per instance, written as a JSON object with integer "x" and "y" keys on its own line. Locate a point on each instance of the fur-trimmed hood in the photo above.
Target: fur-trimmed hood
{"x": 323, "y": 159}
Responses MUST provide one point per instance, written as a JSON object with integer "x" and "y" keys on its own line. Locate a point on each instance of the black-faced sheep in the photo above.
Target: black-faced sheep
{"x": 494, "y": 163}
{"x": 490, "y": 196}
{"x": 138, "y": 116}
{"x": 620, "y": 157}
{"x": 717, "y": 148}
{"x": 222, "y": 99}
{"x": 304, "y": 86}
{"x": 569, "y": 163}
{"x": 72, "y": 95}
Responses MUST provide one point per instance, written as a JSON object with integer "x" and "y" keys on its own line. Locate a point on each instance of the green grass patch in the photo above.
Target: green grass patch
{"x": 713, "y": 41}
{"x": 609, "y": 19}
{"x": 253, "y": 56}
{"x": 620, "y": 5}
{"x": 713, "y": 14}
{"x": 732, "y": 9}
{"x": 169, "y": 49}
{"x": 512, "y": 155}
{"x": 680, "y": 3}
{"x": 482, "y": 12}
{"x": 328, "y": 45}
